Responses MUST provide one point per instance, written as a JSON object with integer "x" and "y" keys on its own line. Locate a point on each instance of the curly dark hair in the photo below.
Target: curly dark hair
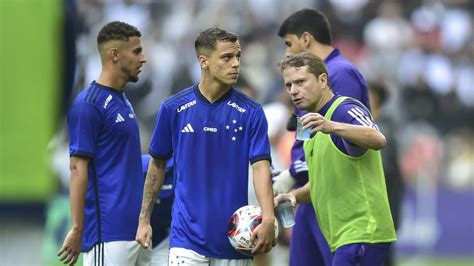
{"x": 206, "y": 41}
{"x": 117, "y": 30}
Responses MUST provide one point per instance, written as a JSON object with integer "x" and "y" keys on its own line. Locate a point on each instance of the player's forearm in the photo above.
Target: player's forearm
{"x": 302, "y": 194}
{"x": 362, "y": 136}
{"x": 263, "y": 189}
{"x": 78, "y": 190}
{"x": 153, "y": 182}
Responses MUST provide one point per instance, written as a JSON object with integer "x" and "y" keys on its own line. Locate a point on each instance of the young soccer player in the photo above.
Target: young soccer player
{"x": 104, "y": 147}
{"x": 212, "y": 131}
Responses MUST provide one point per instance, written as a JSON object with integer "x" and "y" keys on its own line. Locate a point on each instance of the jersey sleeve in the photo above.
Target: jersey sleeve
{"x": 298, "y": 167}
{"x": 357, "y": 115}
{"x": 84, "y": 123}
{"x": 259, "y": 144}
{"x": 160, "y": 143}
{"x": 352, "y": 112}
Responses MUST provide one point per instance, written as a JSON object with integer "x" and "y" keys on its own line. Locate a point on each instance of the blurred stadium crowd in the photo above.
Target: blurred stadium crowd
{"x": 422, "y": 51}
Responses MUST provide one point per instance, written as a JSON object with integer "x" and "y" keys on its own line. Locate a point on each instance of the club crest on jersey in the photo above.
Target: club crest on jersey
{"x": 185, "y": 106}
{"x": 236, "y": 106}
{"x": 234, "y": 129}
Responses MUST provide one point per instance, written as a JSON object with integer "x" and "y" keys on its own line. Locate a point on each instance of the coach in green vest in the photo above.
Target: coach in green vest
{"x": 346, "y": 180}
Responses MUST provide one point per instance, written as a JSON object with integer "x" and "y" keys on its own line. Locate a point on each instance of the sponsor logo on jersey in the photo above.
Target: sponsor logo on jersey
{"x": 210, "y": 129}
{"x": 185, "y": 106}
{"x": 119, "y": 118}
{"x": 236, "y": 106}
{"x": 187, "y": 129}
{"x": 107, "y": 101}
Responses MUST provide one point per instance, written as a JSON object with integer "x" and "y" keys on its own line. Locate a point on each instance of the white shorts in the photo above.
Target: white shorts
{"x": 159, "y": 254}
{"x": 182, "y": 256}
{"x": 118, "y": 253}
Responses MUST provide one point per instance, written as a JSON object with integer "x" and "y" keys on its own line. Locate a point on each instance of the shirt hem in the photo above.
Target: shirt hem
{"x": 379, "y": 241}
{"x": 260, "y": 158}
{"x": 209, "y": 255}
{"x": 158, "y": 156}
{"x": 109, "y": 239}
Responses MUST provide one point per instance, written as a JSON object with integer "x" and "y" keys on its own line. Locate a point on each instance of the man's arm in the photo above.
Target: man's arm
{"x": 362, "y": 136}
{"x": 265, "y": 233}
{"x": 300, "y": 195}
{"x": 78, "y": 188}
{"x": 153, "y": 182}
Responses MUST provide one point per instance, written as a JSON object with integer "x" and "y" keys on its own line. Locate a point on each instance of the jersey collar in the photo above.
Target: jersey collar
{"x": 201, "y": 97}
{"x": 334, "y": 53}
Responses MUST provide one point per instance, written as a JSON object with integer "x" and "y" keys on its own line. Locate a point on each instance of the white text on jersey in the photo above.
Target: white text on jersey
{"x": 234, "y": 105}
{"x": 186, "y": 105}
{"x": 210, "y": 129}
{"x": 107, "y": 101}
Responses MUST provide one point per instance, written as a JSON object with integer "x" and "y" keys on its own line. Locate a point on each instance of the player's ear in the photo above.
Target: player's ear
{"x": 306, "y": 39}
{"x": 203, "y": 62}
{"x": 113, "y": 53}
{"x": 323, "y": 80}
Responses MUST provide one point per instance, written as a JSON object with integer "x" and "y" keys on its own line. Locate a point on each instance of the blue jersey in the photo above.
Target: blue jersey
{"x": 212, "y": 145}
{"x": 161, "y": 215}
{"x": 102, "y": 127}
{"x": 345, "y": 80}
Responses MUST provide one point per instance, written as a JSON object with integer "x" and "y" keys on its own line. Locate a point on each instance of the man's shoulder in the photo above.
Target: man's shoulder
{"x": 181, "y": 98}
{"x": 93, "y": 95}
{"x": 341, "y": 65}
{"x": 351, "y": 108}
{"x": 242, "y": 100}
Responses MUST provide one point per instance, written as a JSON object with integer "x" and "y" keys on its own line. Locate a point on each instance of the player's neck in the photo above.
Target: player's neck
{"x": 212, "y": 90}
{"x": 322, "y": 51}
{"x": 325, "y": 98}
{"x": 109, "y": 79}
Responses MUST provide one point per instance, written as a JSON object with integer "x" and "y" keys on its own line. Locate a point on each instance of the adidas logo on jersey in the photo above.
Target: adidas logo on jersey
{"x": 188, "y": 129}
{"x": 119, "y": 118}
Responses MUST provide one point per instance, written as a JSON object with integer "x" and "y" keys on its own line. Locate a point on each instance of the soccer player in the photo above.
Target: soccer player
{"x": 309, "y": 30}
{"x": 161, "y": 216}
{"x": 105, "y": 159}
{"x": 347, "y": 183}
{"x": 212, "y": 131}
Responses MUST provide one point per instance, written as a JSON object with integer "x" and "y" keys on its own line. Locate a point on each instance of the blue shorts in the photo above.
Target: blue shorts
{"x": 361, "y": 254}
{"x": 308, "y": 245}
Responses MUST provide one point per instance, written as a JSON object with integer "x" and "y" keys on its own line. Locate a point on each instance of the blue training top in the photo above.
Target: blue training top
{"x": 102, "y": 127}
{"x": 212, "y": 145}
{"x": 345, "y": 80}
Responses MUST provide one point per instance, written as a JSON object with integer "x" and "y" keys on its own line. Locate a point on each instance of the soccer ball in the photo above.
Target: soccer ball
{"x": 241, "y": 226}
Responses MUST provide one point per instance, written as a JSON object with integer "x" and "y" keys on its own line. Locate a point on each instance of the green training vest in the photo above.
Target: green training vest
{"x": 348, "y": 193}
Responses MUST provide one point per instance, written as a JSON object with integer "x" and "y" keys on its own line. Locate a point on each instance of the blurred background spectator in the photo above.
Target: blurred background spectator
{"x": 423, "y": 50}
